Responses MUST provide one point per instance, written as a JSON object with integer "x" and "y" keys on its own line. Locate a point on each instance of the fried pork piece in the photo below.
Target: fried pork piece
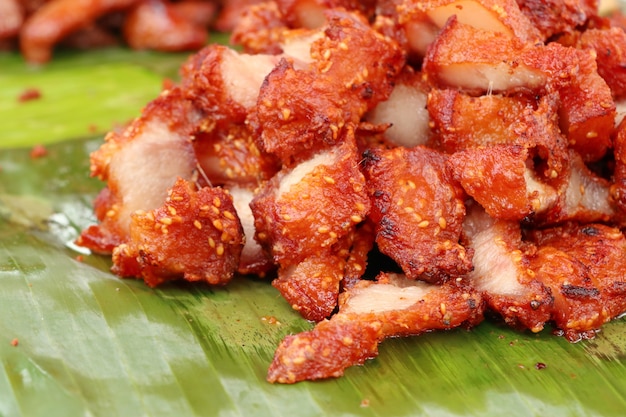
{"x": 405, "y": 111}
{"x": 498, "y": 178}
{"x": 254, "y": 260}
{"x": 312, "y": 286}
{"x": 224, "y": 83}
{"x": 583, "y": 266}
{"x": 158, "y": 25}
{"x": 553, "y": 17}
{"x": 195, "y": 235}
{"x": 610, "y": 48}
{"x": 11, "y": 18}
{"x": 260, "y": 29}
{"x": 230, "y": 156}
{"x": 503, "y": 17}
{"x": 492, "y": 64}
{"x": 369, "y": 313}
{"x": 587, "y": 109}
{"x": 502, "y": 271}
{"x": 463, "y": 121}
{"x": 418, "y": 212}
{"x": 139, "y": 165}
{"x": 300, "y": 112}
{"x": 58, "y": 18}
{"x": 309, "y": 207}
{"x": 496, "y": 63}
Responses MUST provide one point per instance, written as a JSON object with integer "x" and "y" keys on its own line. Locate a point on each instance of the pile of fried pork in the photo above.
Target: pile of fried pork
{"x": 476, "y": 145}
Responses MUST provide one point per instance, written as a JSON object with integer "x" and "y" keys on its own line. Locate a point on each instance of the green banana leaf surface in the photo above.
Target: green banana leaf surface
{"x": 76, "y": 340}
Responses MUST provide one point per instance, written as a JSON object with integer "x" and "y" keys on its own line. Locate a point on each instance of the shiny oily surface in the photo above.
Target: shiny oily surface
{"x": 76, "y": 340}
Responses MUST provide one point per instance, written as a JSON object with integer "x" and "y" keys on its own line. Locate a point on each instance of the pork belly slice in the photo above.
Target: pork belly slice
{"x": 500, "y": 180}
{"x": 405, "y": 111}
{"x": 583, "y": 266}
{"x": 309, "y": 207}
{"x": 302, "y": 111}
{"x": 139, "y": 165}
{"x": 225, "y": 83}
{"x": 491, "y": 63}
{"x": 418, "y": 211}
{"x": 254, "y": 260}
{"x": 502, "y": 271}
{"x": 370, "y": 312}
{"x": 196, "y": 235}
{"x": 503, "y": 17}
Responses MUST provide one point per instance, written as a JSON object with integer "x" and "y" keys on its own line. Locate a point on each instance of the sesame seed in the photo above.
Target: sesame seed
{"x": 298, "y": 360}
{"x": 219, "y": 250}
{"x": 329, "y": 180}
{"x": 166, "y": 220}
{"x": 442, "y": 223}
{"x": 323, "y": 229}
{"x": 197, "y": 224}
{"x": 211, "y": 242}
{"x": 217, "y": 223}
{"x": 423, "y": 224}
{"x": 228, "y": 215}
{"x": 356, "y": 219}
{"x": 172, "y": 210}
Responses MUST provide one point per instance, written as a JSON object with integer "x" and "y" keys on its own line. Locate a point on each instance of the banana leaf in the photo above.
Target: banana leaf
{"x": 76, "y": 340}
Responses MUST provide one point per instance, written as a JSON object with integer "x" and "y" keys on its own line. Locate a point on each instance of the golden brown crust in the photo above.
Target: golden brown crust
{"x": 299, "y": 219}
{"x": 195, "y": 235}
{"x": 417, "y": 209}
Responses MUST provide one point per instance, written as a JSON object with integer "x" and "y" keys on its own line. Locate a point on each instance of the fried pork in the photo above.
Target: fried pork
{"x": 489, "y": 175}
